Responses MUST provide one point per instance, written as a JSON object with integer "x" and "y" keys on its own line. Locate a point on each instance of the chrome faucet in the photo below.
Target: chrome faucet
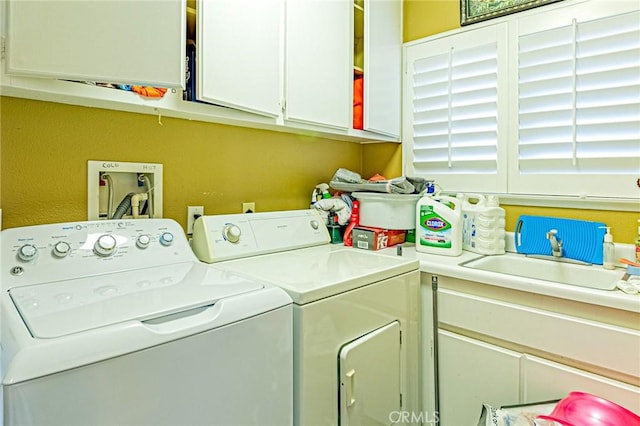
{"x": 556, "y": 243}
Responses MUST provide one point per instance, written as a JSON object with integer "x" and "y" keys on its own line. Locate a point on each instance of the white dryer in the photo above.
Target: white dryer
{"x": 118, "y": 323}
{"x": 356, "y": 313}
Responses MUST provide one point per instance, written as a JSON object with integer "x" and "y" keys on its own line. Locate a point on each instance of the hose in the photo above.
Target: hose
{"x": 123, "y": 207}
{"x": 109, "y": 181}
{"x": 147, "y": 184}
{"x": 135, "y": 203}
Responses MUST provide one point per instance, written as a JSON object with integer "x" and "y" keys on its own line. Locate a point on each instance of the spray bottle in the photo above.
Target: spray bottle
{"x": 323, "y": 191}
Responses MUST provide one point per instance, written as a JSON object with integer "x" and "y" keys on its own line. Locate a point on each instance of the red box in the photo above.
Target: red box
{"x": 369, "y": 238}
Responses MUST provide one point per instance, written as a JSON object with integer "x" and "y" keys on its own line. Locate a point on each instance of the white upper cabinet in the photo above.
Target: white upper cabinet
{"x": 240, "y": 54}
{"x": 293, "y": 60}
{"x": 382, "y": 66}
{"x": 285, "y": 65}
{"x": 318, "y": 81}
{"x": 78, "y": 40}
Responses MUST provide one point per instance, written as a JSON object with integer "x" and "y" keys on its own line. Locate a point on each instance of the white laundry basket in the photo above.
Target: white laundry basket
{"x": 387, "y": 211}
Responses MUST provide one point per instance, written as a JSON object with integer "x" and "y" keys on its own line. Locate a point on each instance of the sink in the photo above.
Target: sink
{"x": 548, "y": 270}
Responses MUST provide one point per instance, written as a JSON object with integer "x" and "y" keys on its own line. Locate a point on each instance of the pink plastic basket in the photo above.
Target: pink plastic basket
{"x": 584, "y": 409}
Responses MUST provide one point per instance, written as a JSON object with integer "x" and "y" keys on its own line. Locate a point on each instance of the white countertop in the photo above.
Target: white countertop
{"x": 450, "y": 266}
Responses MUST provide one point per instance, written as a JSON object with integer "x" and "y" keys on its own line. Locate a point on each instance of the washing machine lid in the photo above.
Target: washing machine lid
{"x": 317, "y": 272}
{"x": 61, "y": 308}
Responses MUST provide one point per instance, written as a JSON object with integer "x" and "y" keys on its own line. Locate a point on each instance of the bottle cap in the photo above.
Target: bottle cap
{"x": 493, "y": 201}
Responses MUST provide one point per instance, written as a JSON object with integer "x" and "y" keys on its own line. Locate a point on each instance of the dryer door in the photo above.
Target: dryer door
{"x": 370, "y": 377}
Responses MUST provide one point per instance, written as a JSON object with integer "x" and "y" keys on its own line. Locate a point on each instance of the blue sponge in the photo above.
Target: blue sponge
{"x": 633, "y": 270}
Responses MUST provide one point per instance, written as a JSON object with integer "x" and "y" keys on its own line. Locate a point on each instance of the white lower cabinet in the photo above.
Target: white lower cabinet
{"x": 520, "y": 348}
{"x": 546, "y": 380}
{"x": 471, "y": 373}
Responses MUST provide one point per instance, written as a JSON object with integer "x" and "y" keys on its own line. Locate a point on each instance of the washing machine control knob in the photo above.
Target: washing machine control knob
{"x": 27, "y": 252}
{"x": 166, "y": 239}
{"x": 61, "y": 249}
{"x": 105, "y": 245}
{"x": 231, "y": 233}
{"x": 143, "y": 241}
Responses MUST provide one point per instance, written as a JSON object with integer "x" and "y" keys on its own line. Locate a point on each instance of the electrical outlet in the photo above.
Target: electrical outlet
{"x": 193, "y": 212}
{"x": 249, "y": 207}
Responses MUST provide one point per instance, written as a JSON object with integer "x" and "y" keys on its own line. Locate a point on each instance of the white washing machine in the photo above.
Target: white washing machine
{"x": 118, "y": 323}
{"x": 356, "y": 313}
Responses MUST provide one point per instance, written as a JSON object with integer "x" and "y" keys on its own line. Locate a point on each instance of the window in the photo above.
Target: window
{"x": 455, "y": 99}
{"x": 579, "y": 108}
{"x": 545, "y": 103}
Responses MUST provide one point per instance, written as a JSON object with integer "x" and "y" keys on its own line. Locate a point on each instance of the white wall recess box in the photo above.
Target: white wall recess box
{"x": 118, "y": 190}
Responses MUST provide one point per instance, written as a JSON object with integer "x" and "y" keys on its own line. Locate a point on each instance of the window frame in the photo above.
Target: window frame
{"x": 509, "y": 185}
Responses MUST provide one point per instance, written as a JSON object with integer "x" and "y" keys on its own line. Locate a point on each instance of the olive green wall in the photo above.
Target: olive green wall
{"x": 45, "y": 148}
{"x": 423, "y": 18}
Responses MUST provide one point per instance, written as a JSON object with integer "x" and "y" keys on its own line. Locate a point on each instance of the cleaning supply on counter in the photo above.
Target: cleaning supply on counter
{"x": 323, "y": 190}
{"x": 483, "y": 224}
{"x": 608, "y": 250}
{"x": 370, "y": 238}
{"x": 320, "y": 192}
{"x": 353, "y": 222}
{"x": 438, "y": 225}
{"x": 335, "y": 230}
{"x": 638, "y": 243}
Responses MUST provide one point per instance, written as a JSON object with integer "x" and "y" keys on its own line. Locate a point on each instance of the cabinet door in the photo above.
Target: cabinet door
{"x": 383, "y": 66}
{"x": 545, "y": 380}
{"x": 471, "y": 373}
{"x": 318, "y": 77}
{"x": 239, "y": 50}
{"x": 134, "y": 42}
{"x": 370, "y": 377}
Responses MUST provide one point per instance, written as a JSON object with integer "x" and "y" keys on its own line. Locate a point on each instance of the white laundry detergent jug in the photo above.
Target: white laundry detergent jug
{"x": 483, "y": 224}
{"x": 438, "y": 229}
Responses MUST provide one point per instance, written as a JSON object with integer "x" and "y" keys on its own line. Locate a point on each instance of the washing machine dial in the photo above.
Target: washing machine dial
{"x": 27, "y": 252}
{"x": 166, "y": 239}
{"x": 143, "y": 241}
{"x": 231, "y": 233}
{"x": 105, "y": 245}
{"x": 61, "y": 249}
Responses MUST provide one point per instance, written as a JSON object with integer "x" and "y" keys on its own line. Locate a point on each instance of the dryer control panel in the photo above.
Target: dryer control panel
{"x": 48, "y": 253}
{"x": 224, "y": 237}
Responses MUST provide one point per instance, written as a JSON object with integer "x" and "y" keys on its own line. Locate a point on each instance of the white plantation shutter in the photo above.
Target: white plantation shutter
{"x": 579, "y": 108}
{"x": 455, "y": 110}
{"x": 540, "y": 103}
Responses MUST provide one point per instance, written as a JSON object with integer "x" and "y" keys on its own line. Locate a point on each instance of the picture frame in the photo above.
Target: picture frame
{"x": 472, "y": 11}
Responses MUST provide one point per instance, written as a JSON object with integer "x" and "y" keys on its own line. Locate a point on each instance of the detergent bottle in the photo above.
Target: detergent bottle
{"x": 438, "y": 225}
{"x": 472, "y": 204}
{"x": 483, "y": 224}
